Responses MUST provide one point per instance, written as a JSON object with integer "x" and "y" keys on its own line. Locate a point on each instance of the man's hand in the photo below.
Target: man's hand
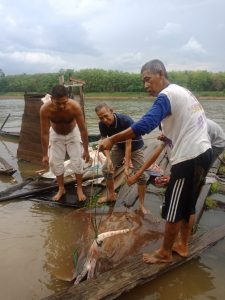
{"x": 86, "y": 156}
{"x": 45, "y": 161}
{"x": 110, "y": 166}
{"x": 131, "y": 179}
{"x": 161, "y": 137}
{"x": 164, "y": 139}
{"x": 105, "y": 144}
{"x": 162, "y": 181}
{"x": 126, "y": 171}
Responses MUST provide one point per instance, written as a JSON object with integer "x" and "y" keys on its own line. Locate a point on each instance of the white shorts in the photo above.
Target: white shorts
{"x": 59, "y": 145}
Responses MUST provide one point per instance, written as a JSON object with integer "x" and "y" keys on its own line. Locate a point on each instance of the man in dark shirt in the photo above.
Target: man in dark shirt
{"x": 130, "y": 150}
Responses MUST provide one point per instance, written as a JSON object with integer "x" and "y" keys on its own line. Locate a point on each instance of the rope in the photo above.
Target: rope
{"x": 94, "y": 220}
{"x": 93, "y": 193}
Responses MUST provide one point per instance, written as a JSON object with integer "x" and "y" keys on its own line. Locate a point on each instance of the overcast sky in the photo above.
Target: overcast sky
{"x": 49, "y": 35}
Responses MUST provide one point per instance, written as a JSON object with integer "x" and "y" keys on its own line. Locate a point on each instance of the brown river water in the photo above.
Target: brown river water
{"x": 38, "y": 241}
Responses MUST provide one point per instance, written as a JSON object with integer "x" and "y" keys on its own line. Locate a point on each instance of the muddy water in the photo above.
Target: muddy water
{"x": 38, "y": 242}
{"x": 201, "y": 278}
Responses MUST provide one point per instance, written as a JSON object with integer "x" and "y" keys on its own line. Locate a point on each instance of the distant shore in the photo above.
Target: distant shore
{"x": 111, "y": 97}
{"x": 147, "y": 97}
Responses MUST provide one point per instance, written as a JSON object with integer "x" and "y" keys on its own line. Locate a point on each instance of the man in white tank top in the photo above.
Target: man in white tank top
{"x": 184, "y": 123}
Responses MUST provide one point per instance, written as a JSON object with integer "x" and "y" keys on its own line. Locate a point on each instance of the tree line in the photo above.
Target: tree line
{"x": 98, "y": 80}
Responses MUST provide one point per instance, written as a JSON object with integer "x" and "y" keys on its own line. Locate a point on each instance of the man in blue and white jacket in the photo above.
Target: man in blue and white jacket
{"x": 184, "y": 123}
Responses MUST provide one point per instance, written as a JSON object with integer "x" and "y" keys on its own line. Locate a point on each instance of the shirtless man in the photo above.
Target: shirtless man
{"x": 60, "y": 134}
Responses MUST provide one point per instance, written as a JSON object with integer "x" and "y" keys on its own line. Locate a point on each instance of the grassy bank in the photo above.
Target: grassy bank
{"x": 131, "y": 95}
{"x": 200, "y": 95}
{"x": 11, "y": 95}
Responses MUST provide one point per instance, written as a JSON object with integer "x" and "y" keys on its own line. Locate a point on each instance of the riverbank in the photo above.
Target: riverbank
{"x": 112, "y": 96}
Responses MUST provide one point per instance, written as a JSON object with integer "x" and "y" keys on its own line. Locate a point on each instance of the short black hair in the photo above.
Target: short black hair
{"x": 59, "y": 91}
{"x": 155, "y": 66}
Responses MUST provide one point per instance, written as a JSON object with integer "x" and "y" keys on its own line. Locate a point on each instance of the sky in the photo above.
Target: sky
{"x": 42, "y": 36}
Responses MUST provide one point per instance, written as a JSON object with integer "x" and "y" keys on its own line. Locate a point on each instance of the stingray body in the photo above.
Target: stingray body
{"x": 72, "y": 234}
{"x": 89, "y": 266}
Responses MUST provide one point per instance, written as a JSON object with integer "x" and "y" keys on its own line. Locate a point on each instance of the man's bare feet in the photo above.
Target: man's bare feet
{"x": 180, "y": 249}
{"x": 106, "y": 199}
{"x": 81, "y": 196}
{"x": 143, "y": 210}
{"x": 149, "y": 215}
{"x": 156, "y": 257}
{"x": 59, "y": 195}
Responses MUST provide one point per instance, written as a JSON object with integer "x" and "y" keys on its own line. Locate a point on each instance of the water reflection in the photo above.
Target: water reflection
{"x": 177, "y": 285}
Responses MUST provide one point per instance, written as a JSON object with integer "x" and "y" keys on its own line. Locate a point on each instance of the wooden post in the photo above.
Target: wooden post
{"x": 29, "y": 148}
{"x": 61, "y": 79}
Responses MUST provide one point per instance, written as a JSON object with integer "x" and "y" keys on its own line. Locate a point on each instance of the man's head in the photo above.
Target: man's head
{"x": 154, "y": 76}
{"x": 105, "y": 114}
{"x": 59, "y": 96}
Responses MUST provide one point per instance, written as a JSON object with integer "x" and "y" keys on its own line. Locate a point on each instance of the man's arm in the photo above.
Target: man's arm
{"x": 152, "y": 158}
{"x": 110, "y": 166}
{"x": 127, "y": 156}
{"x": 45, "y": 125}
{"x": 83, "y": 130}
{"x": 159, "y": 110}
{"x": 119, "y": 137}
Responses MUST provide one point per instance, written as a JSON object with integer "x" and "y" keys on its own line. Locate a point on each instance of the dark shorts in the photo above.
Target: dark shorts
{"x": 184, "y": 187}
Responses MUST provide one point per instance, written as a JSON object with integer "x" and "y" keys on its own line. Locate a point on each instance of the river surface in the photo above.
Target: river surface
{"x": 36, "y": 239}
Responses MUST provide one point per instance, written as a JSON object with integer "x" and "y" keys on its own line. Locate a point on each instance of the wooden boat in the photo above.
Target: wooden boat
{"x": 11, "y": 134}
{"x": 42, "y": 189}
{"x": 43, "y": 186}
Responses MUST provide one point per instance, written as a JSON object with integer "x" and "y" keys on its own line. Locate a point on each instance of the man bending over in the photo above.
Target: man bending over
{"x": 62, "y": 129}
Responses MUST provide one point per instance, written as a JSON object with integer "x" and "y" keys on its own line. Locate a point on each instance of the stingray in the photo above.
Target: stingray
{"x": 93, "y": 254}
{"x": 120, "y": 236}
